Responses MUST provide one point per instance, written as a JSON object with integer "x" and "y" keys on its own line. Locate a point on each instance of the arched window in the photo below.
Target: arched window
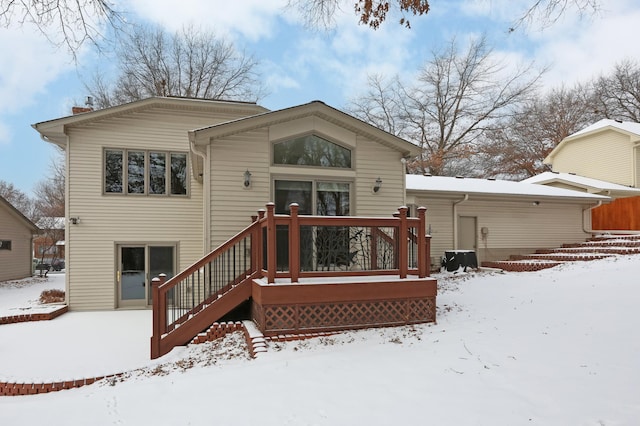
{"x": 311, "y": 150}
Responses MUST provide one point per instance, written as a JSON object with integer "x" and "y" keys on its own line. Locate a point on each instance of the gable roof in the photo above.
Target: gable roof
{"x": 18, "y": 215}
{"x": 495, "y": 189}
{"x": 54, "y": 130}
{"x": 605, "y": 123}
{"x": 204, "y": 135}
{"x": 590, "y": 185}
{"x": 629, "y": 128}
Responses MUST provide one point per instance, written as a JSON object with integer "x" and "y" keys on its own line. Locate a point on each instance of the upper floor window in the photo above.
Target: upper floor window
{"x": 145, "y": 172}
{"x": 311, "y": 150}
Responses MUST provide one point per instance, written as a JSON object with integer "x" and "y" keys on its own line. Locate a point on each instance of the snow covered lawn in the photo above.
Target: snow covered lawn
{"x": 553, "y": 347}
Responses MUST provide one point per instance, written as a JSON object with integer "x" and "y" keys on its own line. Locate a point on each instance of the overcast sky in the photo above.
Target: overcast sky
{"x": 39, "y": 82}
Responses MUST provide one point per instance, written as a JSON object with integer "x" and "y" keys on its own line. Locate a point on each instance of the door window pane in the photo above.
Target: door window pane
{"x": 287, "y": 192}
{"x": 132, "y": 273}
{"x": 333, "y": 199}
{"x": 332, "y": 242}
{"x": 113, "y": 171}
{"x": 135, "y": 172}
{"x": 179, "y": 174}
{"x": 157, "y": 173}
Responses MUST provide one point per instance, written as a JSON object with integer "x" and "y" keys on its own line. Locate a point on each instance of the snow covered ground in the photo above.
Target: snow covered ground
{"x": 553, "y": 347}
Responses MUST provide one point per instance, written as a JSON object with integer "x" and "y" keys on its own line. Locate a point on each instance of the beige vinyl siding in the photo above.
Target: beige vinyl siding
{"x": 110, "y": 219}
{"x": 514, "y": 227}
{"x": 605, "y": 155}
{"x": 374, "y": 160}
{"x": 231, "y": 204}
{"x": 14, "y": 263}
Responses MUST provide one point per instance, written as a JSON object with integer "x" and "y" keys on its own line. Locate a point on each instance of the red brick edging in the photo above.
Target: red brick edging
{"x": 256, "y": 343}
{"x": 34, "y": 317}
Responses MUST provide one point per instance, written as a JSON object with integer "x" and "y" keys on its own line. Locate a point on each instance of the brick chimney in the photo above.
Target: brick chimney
{"x": 88, "y": 108}
{"x": 79, "y": 110}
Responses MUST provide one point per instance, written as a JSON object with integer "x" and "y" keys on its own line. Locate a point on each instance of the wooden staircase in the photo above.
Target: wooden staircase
{"x": 598, "y": 247}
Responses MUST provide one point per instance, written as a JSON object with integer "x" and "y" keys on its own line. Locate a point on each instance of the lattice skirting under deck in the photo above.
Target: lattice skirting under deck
{"x": 302, "y": 318}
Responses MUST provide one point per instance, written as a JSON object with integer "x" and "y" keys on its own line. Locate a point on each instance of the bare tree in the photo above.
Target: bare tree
{"x": 190, "y": 63}
{"x": 547, "y": 12}
{"x": 458, "y": 96}
{"x": 321, "y": 13}
{"x": 50, "y": 191}
{"x": 617, "y": 96}
{"x": 63, "y": 22}
{"x": 18, "y": 199}
{"x": 517, "y": 149}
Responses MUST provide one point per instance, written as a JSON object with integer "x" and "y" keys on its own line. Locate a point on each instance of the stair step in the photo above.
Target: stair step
{"x": 599, "y": 247}
{"x": 585, "y": 250}
{"x": 563, "y": 257}
{"x": 522, "y": 265}
{"x": 605, "y": 243}
{"x": 630, "y": 237}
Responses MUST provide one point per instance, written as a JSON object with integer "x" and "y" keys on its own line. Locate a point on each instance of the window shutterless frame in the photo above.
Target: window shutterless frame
{"x": 145, "y": 172}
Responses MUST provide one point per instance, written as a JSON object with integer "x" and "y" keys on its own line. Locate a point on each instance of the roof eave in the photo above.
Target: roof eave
{"x": 204, "y": 136}
{"x": 511, "y": 197}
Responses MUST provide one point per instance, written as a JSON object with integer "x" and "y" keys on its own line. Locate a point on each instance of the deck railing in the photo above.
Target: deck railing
{"x": 284, "y": 246}
{"x": 298, "y": 246}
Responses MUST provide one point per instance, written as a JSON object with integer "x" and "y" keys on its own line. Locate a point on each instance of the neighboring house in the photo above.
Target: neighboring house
{"x": 48, "y": 247}
{"x": 609, "y": 151}
{"x": 498, "y": 218}
{"x": 16, "y": 237}
{"x": 154, "y": 185}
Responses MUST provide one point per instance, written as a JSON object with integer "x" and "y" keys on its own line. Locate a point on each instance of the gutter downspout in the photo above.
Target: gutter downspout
{"x": 584, "y": 218}
{"x": 455, "y": 221}
{"x": 206, "y": 195}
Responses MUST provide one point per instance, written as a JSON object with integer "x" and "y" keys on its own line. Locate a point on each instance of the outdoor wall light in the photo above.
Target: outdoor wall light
{"x": 536, "y": 203}
{"x": 247, "y": 179}
{"x": 74, "y": 220}
{"x": 377, "y": 185}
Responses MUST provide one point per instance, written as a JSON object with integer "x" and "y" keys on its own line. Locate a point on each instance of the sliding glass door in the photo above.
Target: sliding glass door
{"x": 137, "y": 266}
{"x": 323, "y": 246}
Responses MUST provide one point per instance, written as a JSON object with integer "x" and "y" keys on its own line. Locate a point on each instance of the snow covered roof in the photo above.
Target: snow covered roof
{"x": 625, "y": 126}
{"x": 488, "y": 187}
{"x": 593, "y": 186}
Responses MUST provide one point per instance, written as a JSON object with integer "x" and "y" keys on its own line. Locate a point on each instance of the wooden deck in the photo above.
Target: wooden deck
{"x": 303, "y": 274}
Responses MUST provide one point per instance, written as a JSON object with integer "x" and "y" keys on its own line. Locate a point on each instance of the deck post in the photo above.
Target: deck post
{"x": 403, "y": 255}
{"x": 294, "y": 243}
{"x": 256, "y": 244}
{"x": 159, "y": 315}
{"x": 422, "y": 243}
{"x": 271, "y": 243}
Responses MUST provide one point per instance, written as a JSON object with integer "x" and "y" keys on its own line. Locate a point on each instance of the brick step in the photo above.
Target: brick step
{"x": 585, "y": 250}
{"x": 562, "y": 257}
{"x": 521, "y": 265}
{"x": 605, "y": 243}
{"x": 630, "y": 237}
